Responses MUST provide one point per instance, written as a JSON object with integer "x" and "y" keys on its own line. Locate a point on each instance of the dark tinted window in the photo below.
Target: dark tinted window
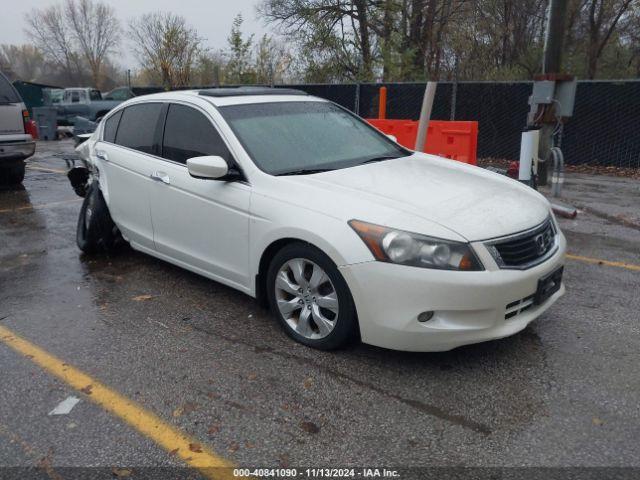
{"x": 138, "y": 125}
{"x": 7, "y": 92}
{"x": 111, "y": 126}
{"x": 188, "y": 133}
{"x": 95, "y": 95}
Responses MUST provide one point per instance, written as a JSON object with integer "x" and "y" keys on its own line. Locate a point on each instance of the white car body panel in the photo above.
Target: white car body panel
{"x": 221, "y": 229}
{"x": 128, "y": 176}
{"x": 454, "y": 195}
{"x": 214, "y": 236}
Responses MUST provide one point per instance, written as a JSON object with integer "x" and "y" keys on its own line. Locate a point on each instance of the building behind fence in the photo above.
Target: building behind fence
{"x": 602, "y": 131}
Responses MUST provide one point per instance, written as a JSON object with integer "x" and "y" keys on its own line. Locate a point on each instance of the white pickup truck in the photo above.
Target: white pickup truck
{"x": 16, "y": 139}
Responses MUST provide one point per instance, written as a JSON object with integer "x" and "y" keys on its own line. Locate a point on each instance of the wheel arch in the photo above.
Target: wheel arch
{"x": 274, "y": 247}
{"x": 265, "y": 260}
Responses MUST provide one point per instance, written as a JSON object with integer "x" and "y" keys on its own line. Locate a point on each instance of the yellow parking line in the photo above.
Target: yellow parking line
{"x": 51, "y": 170}
{"x": 628, "y": 266}
{"x": 41, "y": 205}
{"x": 145, "y": 422}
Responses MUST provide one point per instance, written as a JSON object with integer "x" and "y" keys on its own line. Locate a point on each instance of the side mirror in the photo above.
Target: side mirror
{"x": 211, "y": 166}
{"x": 392, "y": 138}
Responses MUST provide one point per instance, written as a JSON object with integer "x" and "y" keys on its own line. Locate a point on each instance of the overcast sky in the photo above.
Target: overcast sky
{"x": 212, "y": 18}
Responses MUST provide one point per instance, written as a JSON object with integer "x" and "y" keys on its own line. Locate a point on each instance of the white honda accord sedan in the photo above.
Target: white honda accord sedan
{"x": 340, "y": 230}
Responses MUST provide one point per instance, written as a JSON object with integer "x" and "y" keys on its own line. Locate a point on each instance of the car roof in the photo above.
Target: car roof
{"x": 234, "y": 96}
{"x": 246, "y": 91}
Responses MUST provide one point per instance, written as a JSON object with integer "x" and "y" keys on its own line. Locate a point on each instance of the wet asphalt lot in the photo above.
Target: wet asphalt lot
{"x": 210, "y": 362}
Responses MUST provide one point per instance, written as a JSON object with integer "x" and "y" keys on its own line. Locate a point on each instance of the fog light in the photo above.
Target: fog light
{"x": 425, "y": 316}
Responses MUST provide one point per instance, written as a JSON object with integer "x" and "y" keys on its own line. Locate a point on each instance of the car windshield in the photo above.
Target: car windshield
{"x": 306, "y": 137}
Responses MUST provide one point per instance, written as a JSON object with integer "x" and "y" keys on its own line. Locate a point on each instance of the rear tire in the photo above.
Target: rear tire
{"x": 12, "y": 174}
{"x": 313, "y": 305}
{"x": 96, "y": 231}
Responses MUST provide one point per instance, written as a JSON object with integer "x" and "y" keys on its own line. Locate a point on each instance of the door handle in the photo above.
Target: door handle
{"x": 161, "y": 177}
{"x": 102, "y": 155}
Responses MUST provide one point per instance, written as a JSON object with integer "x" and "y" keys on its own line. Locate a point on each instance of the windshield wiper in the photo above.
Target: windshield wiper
{"x": 305, "y": 171}
{"x": 380, "y": 159}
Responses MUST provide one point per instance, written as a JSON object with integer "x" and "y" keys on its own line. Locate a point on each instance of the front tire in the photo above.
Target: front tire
{"x": 310, "y": 298}
{"x": 95, "y": 231}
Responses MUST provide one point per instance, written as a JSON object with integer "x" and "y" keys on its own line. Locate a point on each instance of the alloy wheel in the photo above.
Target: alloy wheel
{"x": 306, "y": 298}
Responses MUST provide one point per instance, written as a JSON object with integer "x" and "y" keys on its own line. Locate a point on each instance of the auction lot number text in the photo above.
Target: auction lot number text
{"x": 316, "y": 472}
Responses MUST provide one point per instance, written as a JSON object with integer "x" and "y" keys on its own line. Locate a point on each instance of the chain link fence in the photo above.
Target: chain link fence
{"x": 602, "y": 131}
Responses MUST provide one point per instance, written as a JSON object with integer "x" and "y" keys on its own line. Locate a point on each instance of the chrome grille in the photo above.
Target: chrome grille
{"x": 526, "y": 249}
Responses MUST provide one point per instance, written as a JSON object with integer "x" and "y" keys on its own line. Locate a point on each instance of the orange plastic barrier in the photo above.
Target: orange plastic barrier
{"x": 454, "y": 140}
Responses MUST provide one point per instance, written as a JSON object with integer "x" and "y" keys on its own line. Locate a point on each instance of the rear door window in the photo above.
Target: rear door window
{"x": 7, "y": 92}
{"x": 111, "y": 127}
{"x": 189, "y": 133}
{"x": 137, "y": 127}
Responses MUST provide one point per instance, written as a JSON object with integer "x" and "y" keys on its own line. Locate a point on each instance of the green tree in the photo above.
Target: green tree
{"x": 239, "y": 67}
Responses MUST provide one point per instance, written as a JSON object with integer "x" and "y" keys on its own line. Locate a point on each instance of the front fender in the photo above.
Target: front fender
{"x": 271, "y": 221}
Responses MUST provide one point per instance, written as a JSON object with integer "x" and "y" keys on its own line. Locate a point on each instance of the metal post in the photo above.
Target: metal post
{"x": 554, "y": 37}
{"x": 454, "y": 91}
{"x": 382, "y": 103}
{"x": 425, "y": 115}
{"x": 356, "y": 108}
{"x": 551, "y": 63}
{"x": 528, "y": 154}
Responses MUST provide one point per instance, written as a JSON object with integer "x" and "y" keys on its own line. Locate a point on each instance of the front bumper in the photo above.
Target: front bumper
{"x": 16, "y": 150}
{"x": 470, "y": 307}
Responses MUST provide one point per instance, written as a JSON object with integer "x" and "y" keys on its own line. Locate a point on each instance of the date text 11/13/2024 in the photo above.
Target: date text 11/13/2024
{"x": 317, "y": 472}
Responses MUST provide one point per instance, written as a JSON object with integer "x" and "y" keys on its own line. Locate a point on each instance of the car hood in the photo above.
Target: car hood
{"x": 471, "y": 201}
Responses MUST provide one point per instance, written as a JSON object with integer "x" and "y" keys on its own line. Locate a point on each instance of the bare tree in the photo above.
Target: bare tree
{"x": 602, "y": 19}
{"x": 335, "y": 35}
{"x": 96, "y": 30}
{"x": 165, "y": 45}
{"x": 24, "y": 62}
{"x": 75, "y": 35}
{"x": 272, "y": 61}
{"x": 50, "y": 32}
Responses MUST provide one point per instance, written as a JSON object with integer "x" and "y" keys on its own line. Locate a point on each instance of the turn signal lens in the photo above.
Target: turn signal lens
{"x": 414, "y": 249}
{"x": 370, "y": 235}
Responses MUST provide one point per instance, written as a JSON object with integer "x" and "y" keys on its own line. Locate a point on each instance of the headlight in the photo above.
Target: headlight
{"x": 406, "y": 248}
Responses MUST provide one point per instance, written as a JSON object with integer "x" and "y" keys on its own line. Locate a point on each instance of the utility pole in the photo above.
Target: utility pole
{"x": 551, "y": 65}
{"x": 554, "y": 37}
